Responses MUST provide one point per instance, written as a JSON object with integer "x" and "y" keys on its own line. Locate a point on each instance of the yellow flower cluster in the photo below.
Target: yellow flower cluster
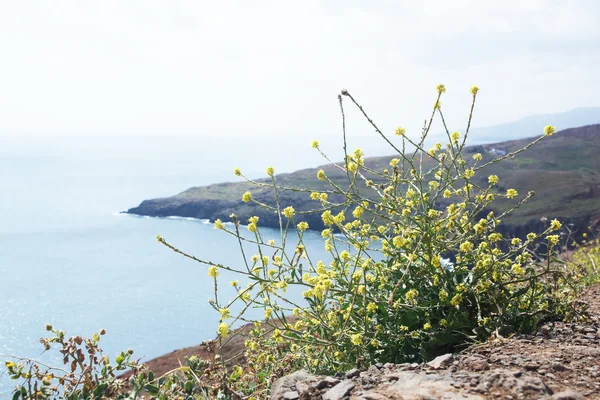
{"x": 223, "y": 329}
{"x": 549, "y": 130}
{"x": 247, "y": 197}
{"x": 400, "y": 131}
{"x": 213, "y": 271}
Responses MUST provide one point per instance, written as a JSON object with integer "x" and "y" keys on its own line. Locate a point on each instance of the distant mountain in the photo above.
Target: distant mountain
{"x": 532, "y": 125}
{"x": 563, "y": 170}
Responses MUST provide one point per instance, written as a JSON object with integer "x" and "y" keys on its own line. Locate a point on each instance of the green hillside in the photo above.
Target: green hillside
{"x": 563, "y": 170}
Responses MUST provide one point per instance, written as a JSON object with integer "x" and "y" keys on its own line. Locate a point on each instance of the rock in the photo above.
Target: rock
{"x": 352, "y": 373}
{"x": 304, "y": 387}
{"x": 441, "y": 361}
{"x": 422, "y": 386}
{"x": 329, "y": 381}
{"x": 285, "y": 384}
{"x": 558, "y": 367}
{"x": 339, "y": 391}
{"x": 568, "y": 395}
{"x": 372, "y": 396}
{"x": 291, "y": 395}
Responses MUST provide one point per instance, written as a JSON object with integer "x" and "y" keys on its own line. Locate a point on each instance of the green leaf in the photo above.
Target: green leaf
{"x": 189, "y": 387}
{"x": 152, "y": 389}
{"x": 100, "y": 390}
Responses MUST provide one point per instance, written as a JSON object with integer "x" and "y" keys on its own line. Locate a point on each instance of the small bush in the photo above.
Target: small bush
{"x": 388, "y": 294}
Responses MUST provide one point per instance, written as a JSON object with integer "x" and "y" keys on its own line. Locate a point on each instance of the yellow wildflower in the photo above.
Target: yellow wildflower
{"x": 321, "y": 174}
{"x": 398, "y": 241}
{"x": 455, "y": 137}
{"x": 315, "y": 144}
{"x": 358, "y": 212}
{"x": 411, "y": 295}
{"x": 213, "y": 271}
{"x": 270, "y": 171}
{"x": 474, "y": 90}
{"x": 517, "y": 269}
{"x": 237, "y": 172}
{"x": 289, "y": 212}
{"x": 456, "y": 300}
{"x": 555, "y": 225}
{"x": 219, "y": 224}
{"x": 441, "y": 88}
{"x": 268, "y": 312}
{"x": 356, "y": 339}
{"x": 302, "y": 226}
{"x": 400, "y": 131}
{"x": 443, "y": 295}
{"x": 466, "y": 247}
{"x": 493, "y": 179}
{"x": 511, "y": 193}
{"x": 223, "y": 329}
{"x": 552, "y": 240}
{"x": 246, "y": 197}
{"x": 549, "y": 130}
{"x": 344, "y": 255}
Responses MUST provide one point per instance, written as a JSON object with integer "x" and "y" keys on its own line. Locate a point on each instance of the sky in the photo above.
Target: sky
{"x": 274, "y": 68}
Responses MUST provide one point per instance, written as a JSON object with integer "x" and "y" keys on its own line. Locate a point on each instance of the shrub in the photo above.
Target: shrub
{"x": 388, "y": 294}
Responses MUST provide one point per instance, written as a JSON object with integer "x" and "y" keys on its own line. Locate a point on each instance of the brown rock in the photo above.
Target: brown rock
{"x": 442, "y": 361}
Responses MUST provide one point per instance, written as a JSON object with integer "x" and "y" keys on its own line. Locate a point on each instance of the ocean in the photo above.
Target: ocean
{"x": 69, "y": 258}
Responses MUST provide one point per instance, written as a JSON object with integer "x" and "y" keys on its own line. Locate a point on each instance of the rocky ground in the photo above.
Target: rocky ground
{"x": 560, "y": 361}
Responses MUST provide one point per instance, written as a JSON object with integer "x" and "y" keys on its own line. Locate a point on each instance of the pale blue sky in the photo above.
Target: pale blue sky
{"x": 275, "y": 67}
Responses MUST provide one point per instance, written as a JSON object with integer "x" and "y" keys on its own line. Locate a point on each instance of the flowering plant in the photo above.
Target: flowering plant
{"x": 389, "y": 293}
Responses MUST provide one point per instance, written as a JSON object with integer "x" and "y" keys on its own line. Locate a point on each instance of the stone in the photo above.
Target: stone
{"x": 568, "y": 395}
{"x": 558, "y": 367}
{"x": 441, "y": 361}
{"x": 372, "y": 396}
{"x": 328, "y": 381}
{"x": 424, "y": 386}
{"x": 354, "y": 372}
{"x": 339, "y": 391}
{"x": 291, "y": 395}
{"x": 286, "y": 383}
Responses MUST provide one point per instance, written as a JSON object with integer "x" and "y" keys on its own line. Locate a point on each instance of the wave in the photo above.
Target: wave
{"x": 204, "y": 221}
{"x": 201, "y": 220}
